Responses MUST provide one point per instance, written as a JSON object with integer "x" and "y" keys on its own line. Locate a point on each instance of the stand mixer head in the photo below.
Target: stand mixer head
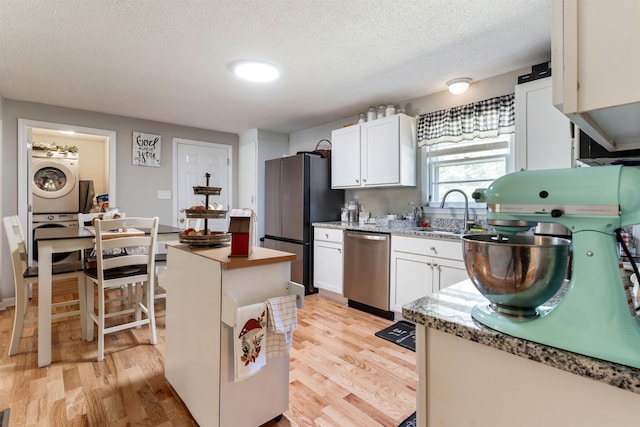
{"x": 596, "y": 316}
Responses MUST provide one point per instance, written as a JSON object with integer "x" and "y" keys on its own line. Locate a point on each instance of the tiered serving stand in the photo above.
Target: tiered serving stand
{"x": 209, "y": 238}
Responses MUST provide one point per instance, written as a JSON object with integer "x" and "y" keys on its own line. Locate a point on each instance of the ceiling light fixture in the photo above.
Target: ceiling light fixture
{"x": 256, "y": 71}
{"x": 458, "y": 86}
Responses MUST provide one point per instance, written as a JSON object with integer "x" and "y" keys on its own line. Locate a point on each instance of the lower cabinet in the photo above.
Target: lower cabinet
{"x": 327, "y": 259}
{"x": 420, "y": 266}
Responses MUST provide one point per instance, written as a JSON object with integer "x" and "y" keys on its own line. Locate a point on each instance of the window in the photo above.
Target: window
{"x": 465, "y": 166}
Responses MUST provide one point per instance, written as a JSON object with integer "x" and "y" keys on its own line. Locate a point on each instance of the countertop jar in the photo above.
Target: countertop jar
{"x": 371, "y": 114}
{"x": 381, "y": 110}
{"x": 390, "y": 110}
{"x": 362, "y": 118}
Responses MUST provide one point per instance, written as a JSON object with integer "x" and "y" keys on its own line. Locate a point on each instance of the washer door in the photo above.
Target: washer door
{"x": 52, "y": 179}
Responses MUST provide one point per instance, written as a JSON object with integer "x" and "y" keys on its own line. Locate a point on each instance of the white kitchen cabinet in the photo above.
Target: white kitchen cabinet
{"x": 345, "y": 157}
{"x": 420, "y": 266}
{"x": 327, "y": 259}
{"x": 255, "y": 147}
{"x": 379, "y": 153}
{"x": 543, "y": 134}
{"x": 596, "y": 67}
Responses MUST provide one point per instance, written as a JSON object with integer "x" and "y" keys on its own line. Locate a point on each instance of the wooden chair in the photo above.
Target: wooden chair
{"x": 134, "y": 266}
{"x": 25, "y": 275}
{"x": 84, "y": 220}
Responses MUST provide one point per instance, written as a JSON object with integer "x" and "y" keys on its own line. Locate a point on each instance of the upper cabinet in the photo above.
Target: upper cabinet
{"x": 596, "y": 67}
{"x": 379, "y": 153}
{"x": 543, "y": 134}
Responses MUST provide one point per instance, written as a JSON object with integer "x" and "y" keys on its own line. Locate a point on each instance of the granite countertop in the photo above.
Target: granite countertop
{"x": 449, "y": 311}
{"x": 396, "y": 227}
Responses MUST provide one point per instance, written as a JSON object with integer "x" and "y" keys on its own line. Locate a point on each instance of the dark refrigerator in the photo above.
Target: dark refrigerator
{"x": 297, "y": 194}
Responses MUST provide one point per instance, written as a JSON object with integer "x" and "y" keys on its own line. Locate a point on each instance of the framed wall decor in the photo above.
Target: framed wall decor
{"x": 146, "y": 149}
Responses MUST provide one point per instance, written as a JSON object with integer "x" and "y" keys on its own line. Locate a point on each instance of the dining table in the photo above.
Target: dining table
{"x": 67, "y": 239}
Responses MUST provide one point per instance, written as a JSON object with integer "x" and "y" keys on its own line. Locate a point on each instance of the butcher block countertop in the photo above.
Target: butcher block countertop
{"x": 258, "y": 256}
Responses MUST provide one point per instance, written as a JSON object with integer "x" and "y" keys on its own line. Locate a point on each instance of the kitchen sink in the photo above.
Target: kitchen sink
{"x": 440, "y": 231}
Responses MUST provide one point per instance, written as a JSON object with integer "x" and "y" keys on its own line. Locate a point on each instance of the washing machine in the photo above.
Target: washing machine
{"x": 55, "y": 185}
{"x": 53, "y": 221}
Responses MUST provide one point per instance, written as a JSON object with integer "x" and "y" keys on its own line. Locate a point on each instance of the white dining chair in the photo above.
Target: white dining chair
{"x": 85, "y": 220}
{"x": 24, "y": 275}
{"x": 135, "y": 265}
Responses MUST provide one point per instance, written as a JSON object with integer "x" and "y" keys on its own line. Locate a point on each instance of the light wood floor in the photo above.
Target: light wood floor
{"x": 341, "y": 375}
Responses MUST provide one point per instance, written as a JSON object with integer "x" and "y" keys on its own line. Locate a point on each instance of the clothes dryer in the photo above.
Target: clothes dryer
{"x": 53, "y": 221}
{"x": 55, "y": 183}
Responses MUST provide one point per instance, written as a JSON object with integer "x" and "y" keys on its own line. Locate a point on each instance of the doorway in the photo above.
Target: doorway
{"x": 47, "y": 131}
{"x": 192, "y": 160}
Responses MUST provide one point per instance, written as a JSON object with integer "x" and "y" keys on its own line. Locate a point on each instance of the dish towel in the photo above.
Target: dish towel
{"x": 249, "y": 340}
{"x": 283, "y": 319}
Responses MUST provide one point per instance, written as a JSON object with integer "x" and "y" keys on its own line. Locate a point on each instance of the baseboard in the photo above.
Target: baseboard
{"x": 332, "y": 296}
{"x": 6, "y": 303}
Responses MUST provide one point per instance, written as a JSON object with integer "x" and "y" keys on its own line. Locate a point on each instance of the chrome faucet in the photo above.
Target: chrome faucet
{"x": 466, "y": 205}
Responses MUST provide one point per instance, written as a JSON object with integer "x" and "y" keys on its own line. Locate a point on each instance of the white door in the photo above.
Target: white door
{"x": 193, "y": 160}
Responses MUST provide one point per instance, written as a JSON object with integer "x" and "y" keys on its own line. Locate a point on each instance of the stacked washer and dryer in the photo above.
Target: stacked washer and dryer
{"x": 55, "y": 194}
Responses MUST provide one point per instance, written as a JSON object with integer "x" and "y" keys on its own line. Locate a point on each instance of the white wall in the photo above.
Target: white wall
{"x": 382, "y": 201}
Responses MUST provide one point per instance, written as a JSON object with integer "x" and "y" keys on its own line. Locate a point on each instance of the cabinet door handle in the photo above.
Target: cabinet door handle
{"x": 435, "y": 265}
{"x": 339, "y": 250}
{"x": 432, "y": 248}
{"x": 364, "y": 180}
{"x": 357, "y": 181}
{"x": 326, "y": 236}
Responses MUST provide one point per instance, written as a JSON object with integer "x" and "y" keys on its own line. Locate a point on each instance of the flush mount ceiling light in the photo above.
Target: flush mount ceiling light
{"x": 256, "y": 71}
{"x": 458, "y": 86}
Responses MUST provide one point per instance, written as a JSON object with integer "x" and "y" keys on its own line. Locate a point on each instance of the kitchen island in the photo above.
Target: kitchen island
{"x": 469, "y": 374}
{"x": 205, "y": 287}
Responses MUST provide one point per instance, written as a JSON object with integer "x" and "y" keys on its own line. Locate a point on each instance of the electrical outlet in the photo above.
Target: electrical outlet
{"x": 164, "y": 194}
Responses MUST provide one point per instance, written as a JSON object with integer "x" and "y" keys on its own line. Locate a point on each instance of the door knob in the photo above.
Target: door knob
{"x": 181, "y": 220}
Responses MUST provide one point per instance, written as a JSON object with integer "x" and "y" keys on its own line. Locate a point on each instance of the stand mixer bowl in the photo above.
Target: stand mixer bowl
{"x": 516, "y": 273}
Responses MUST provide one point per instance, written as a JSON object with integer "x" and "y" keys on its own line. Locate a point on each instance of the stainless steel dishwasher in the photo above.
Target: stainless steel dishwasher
{"x": 366, "y": 272}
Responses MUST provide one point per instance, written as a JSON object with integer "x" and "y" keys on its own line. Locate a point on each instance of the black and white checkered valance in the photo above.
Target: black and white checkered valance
{"x": 483, "y": 119}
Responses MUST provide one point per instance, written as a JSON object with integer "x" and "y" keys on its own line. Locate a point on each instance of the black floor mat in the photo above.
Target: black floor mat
{"x": 402, "y": 333}
{"x": 410, "y": 422}
{"x": 4, "y": 418}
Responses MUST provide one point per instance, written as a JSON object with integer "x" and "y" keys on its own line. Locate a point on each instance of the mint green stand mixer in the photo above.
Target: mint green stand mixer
{"x": 594, "y": 317}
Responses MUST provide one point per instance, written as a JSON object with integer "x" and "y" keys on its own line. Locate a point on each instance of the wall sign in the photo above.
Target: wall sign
{"x": 146, "y": 149}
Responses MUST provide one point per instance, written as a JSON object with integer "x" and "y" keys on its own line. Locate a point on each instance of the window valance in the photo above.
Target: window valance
{"x": 483, "y": 119}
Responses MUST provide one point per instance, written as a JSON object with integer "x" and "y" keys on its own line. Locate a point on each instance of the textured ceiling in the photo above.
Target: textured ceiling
{"x": 168, "y": 60}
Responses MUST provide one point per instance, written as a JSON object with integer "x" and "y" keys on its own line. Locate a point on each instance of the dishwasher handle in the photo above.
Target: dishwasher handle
{"x": 364, "y": 236}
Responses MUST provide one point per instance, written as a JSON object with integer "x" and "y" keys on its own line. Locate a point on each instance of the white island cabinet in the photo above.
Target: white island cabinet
{"x": 420, "y": 266}
{"x": 327, "y": 260}
{"x": 379, "y": 153}
{"x": 471, "y": 375}
{"x": 204, "y": 288}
